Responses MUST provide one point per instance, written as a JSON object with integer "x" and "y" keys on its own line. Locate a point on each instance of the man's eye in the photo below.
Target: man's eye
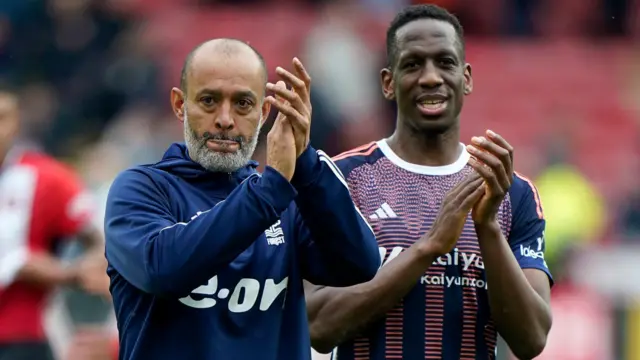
{"x": 207, "y": 100}
{"x": 411, "y": 64}
{"x": 447, "y": 62}
{"x": 244, "y": 103}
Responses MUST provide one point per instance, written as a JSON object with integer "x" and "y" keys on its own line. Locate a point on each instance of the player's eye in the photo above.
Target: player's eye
{"x": 244, "y": 103}
{"x": 411, "y": 64}
{"x": 207, "y": 100}
{"x": 447, "y": 62}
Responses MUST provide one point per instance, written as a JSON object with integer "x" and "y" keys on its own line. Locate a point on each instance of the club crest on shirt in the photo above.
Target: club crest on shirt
{"x": 274, "y": 234}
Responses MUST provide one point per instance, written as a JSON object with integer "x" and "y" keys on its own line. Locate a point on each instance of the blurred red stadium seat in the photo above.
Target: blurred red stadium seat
{"x": 523, "y": 91}
{"x": 267, "y": 28}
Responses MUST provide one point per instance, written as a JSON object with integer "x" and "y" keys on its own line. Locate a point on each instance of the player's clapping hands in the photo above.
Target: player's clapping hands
{"x": 492, "y": 158}
{"x": 444, "y": 234}
{"x": 294, "y": 104}
{"x": 281, "y": 144}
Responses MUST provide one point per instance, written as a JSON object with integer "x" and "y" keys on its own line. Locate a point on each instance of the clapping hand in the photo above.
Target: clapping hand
{"x": 444, "y": 234}
{"x": 281, "y": 143}
{"x": 492, "y": 158}
{"x": 294, "y": 104}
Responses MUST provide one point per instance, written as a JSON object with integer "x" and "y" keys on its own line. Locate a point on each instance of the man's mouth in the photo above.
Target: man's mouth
{"x": 226, "y": 146}
{"x": 432, "y": 106}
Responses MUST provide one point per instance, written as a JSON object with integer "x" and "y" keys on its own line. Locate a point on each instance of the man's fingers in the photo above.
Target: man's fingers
{"x": 465, "y": 182}
{"x": 472, "y": 177}
{"x": 485, "y": 171}
{"x": 293, "y": 108}
{"x": 284, "y": 107}
{"x": 290, "y": 96}
{"x": 291, "y": 79}
{"x": 503, "y": 154}
{"x": 495, "y": 167}
{"x": 485, "y": 156}
{"x": 298, "y": 85}
{"x": 467, "y": 189}
{"x": 277, "y": 126}
{"x": 297, "y": 105}
{"x": 302, "y": 74}
{"x": 458, "y": 191}
{"x": 473, "y": 198}
{"x": 496, "y": 138}
{"x": 281, "y": 125}
{"x": 488, "y": 175}
{"x": 277, "y": 89}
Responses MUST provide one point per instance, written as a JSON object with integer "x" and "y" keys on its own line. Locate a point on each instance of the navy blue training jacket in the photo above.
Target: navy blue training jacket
{"x": 210, "y": 265}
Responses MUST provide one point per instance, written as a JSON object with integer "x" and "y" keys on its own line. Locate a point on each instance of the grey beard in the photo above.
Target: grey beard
{"x": 217, "y": 161}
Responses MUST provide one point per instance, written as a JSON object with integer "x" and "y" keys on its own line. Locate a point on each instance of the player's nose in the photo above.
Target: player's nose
{"x": 224, "y": 118}
{"x": 430, "y": 76}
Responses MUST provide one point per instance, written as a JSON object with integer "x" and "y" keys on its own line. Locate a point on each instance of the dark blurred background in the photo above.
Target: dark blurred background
{"x": 559, "y": 79}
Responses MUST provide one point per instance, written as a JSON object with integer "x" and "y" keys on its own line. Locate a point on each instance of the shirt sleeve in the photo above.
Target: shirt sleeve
{"x": 71, "y": 206}
{"x": 338, "y": 247}
{"x": 145, "y": 241}
{"x": 526, "y": 237}
{"x": 16, "y": 219}
{"x": 58, "y": 204}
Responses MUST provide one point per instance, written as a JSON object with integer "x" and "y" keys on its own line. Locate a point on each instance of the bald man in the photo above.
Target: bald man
{"x": 206, "y": 256}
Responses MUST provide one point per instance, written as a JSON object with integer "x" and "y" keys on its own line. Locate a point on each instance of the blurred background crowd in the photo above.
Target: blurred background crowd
{"x": 559, "y": 79}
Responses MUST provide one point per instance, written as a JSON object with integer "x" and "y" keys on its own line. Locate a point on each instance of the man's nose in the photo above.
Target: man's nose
{"x": 224, "y": 120}
{"x": 430, "y": 76}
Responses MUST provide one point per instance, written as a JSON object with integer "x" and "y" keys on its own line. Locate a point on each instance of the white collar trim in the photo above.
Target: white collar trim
{"x": 453, "y": 168}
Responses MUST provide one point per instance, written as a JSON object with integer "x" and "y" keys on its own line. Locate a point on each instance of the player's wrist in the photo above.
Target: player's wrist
{"x": 284, "y": 173}
{"x": 487, "y": 228}
{"x": 426, "y": 251}
{"x": 438, "y": 241}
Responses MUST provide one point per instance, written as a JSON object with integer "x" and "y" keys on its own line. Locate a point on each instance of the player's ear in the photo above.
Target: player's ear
{"x": 264, "y": 112}
{"x": 386, "y": 80}
{"x": 177, "y": 103}
{"x": 468, "y": 79}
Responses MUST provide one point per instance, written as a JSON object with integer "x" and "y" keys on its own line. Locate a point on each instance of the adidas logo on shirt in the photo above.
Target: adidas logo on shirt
{"x": 383, "y": 212}
{"x": 274, "y": 234}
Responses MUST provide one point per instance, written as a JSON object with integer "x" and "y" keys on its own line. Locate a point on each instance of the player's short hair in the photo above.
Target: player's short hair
{"x": 184, "y": 73}
{"x": 419, "y": 12}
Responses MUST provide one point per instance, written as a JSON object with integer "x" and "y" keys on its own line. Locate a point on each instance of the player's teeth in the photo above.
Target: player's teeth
{"x": 432, "y": 102}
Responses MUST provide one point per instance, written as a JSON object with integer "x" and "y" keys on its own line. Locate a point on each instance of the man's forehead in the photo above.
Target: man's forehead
{"x": 214, "y": 67}
{"x": 427, "y": 30}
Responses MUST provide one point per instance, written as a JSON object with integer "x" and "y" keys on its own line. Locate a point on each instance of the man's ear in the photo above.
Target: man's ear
{"x": 177, "y": 103}
{"x": 386, "y": 80}
{"x": 468, "y": 80}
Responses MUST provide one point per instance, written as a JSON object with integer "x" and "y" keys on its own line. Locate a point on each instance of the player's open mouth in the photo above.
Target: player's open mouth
{"x": 432, "y": 107}
{"x": 227, "y": 146}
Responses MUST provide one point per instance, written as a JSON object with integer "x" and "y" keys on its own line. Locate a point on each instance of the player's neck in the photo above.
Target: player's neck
{"x": 426, "y": 149}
